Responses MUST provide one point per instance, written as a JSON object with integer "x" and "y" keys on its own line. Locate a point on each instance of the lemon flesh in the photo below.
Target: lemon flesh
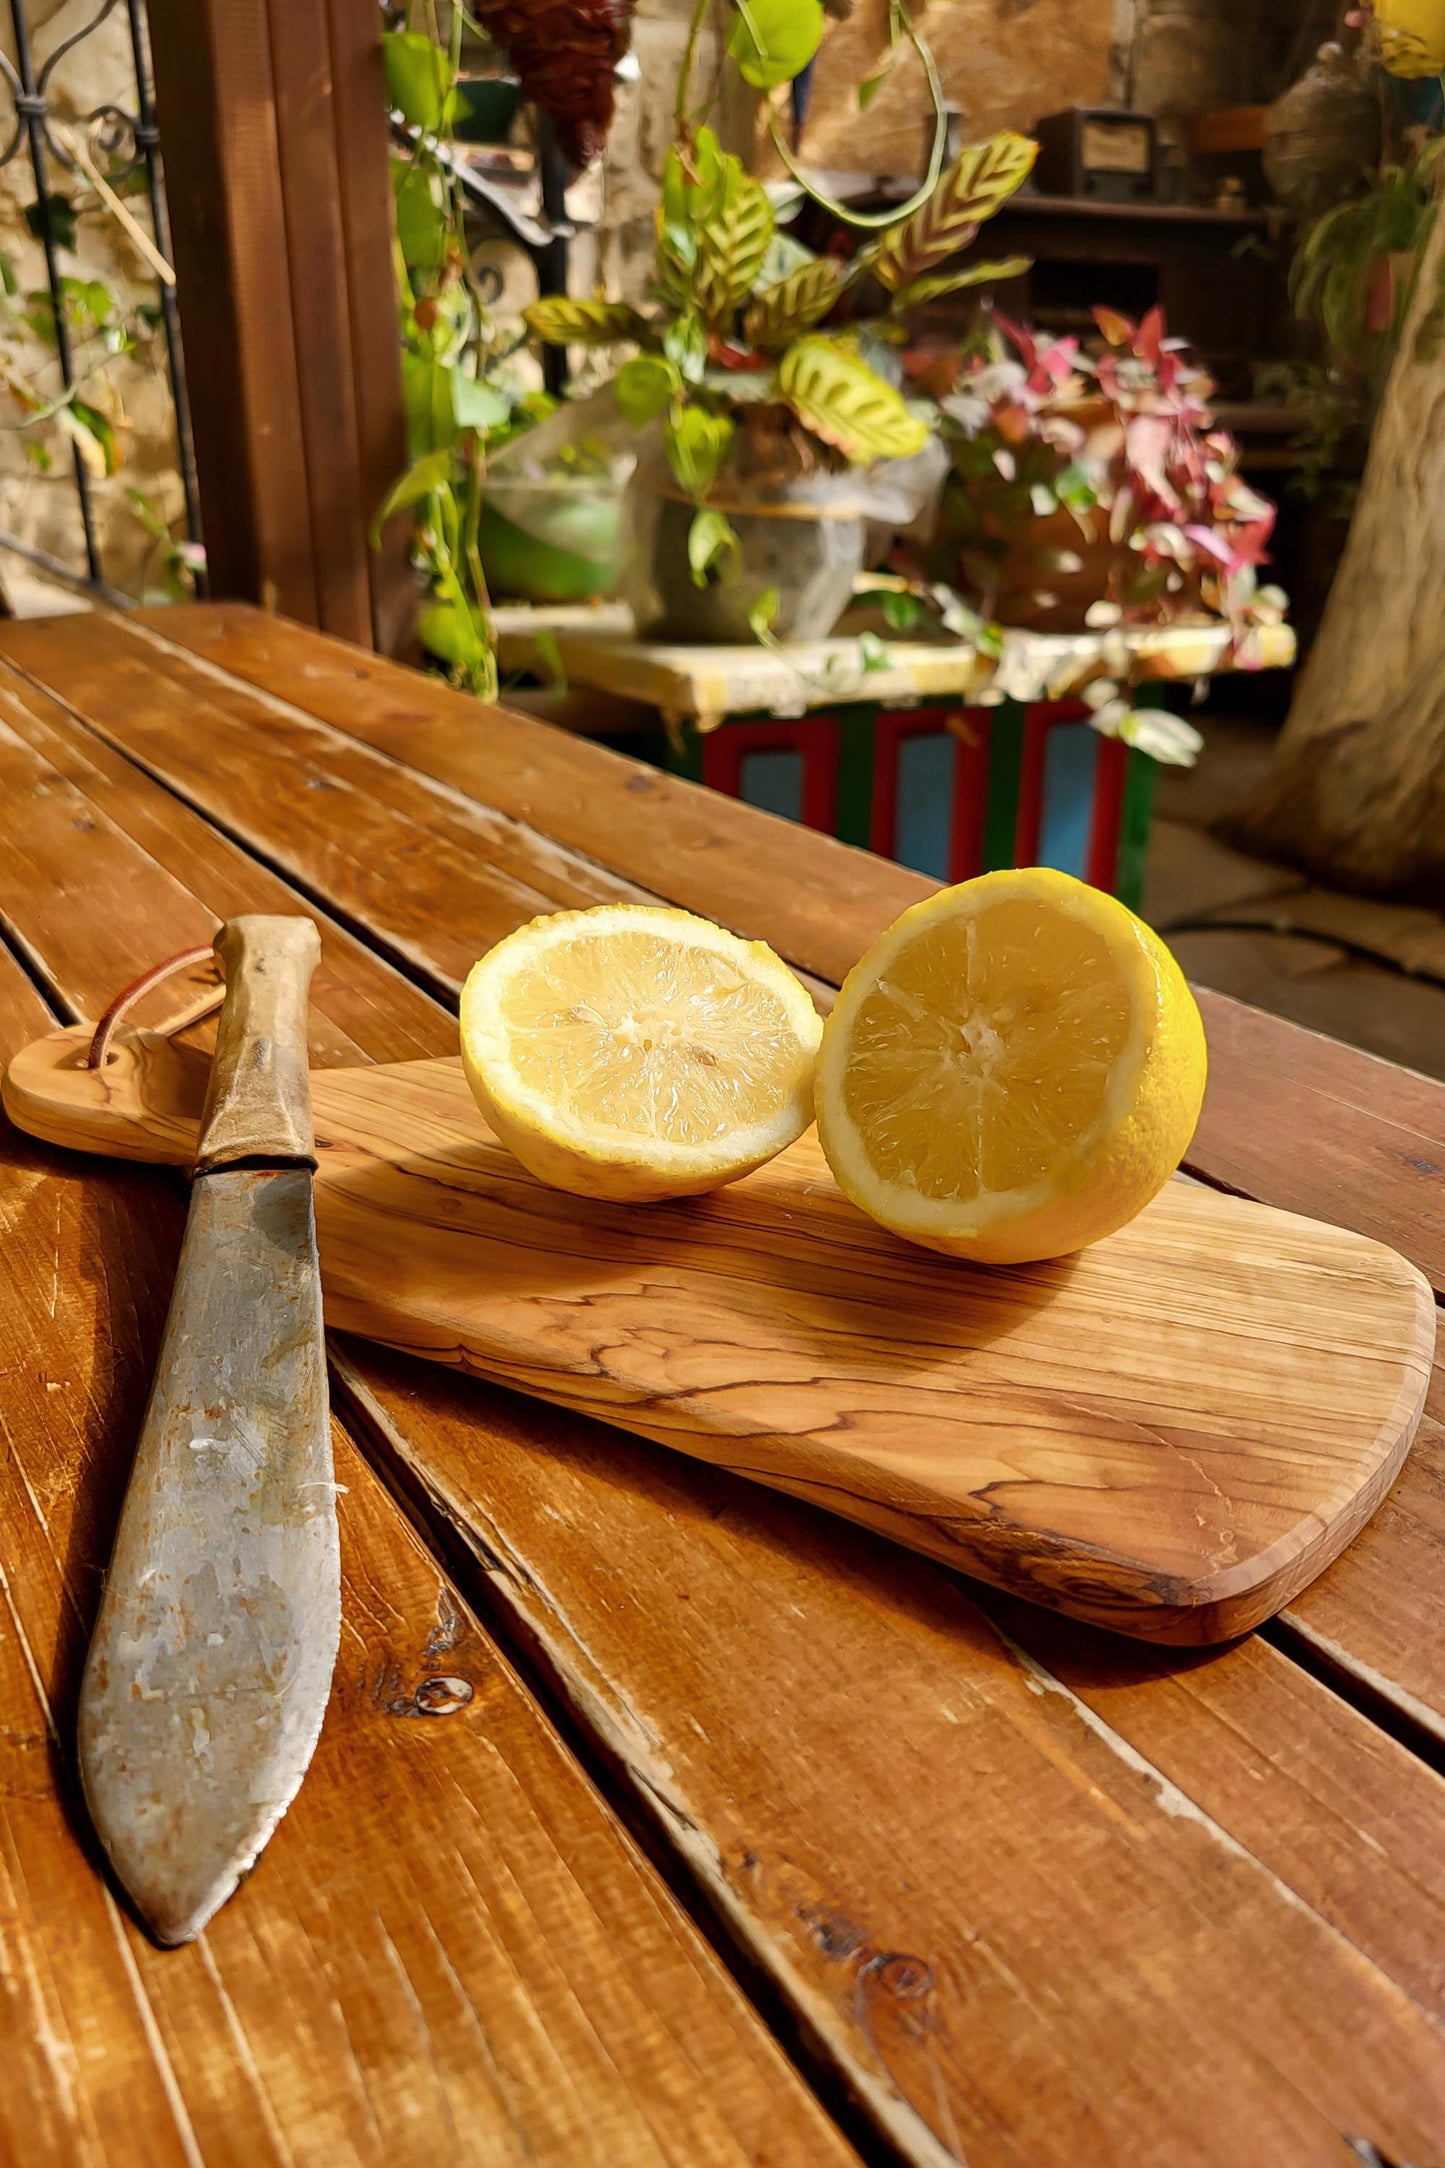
{"x": 638, "y": 1052}
{"x": 1012, "y": 1071}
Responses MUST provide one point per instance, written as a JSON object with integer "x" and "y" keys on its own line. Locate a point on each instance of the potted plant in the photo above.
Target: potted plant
{"x": 1091, "y": 491}
{"x": 770, "y": 381}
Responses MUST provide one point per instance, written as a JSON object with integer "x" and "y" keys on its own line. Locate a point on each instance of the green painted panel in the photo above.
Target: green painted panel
{"x": 854, "y": 818}
{"x": 1005, "y": 766}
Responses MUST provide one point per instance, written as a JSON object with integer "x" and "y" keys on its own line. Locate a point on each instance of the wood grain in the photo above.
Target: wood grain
{"x": 115, "y": 873}
{"x": 823, "y": 901}
{"x": 359, "y": 110}
{"x": 1195, "y": 1929}
{"x": 1170, "y": 1434}
{"x": 310, "y": 180}
{"x": 437, "y": 878}
{"x": 215, "y": 97}
{"x": 450, "y": 1949}
{"x": 1027, "y": 1907}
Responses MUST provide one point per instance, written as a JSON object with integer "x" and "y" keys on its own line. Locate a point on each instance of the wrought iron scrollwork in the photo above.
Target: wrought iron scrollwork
{"x": 122, "y": 142}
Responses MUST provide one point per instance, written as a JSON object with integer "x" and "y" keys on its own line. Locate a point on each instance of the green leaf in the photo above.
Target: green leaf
{"x": 91, "y": 297}
{"x": 710, "y": 544}
{"x": 92, "y": 435}
{"x": 900, "y": 612}
{"x": 978, "y": 181}
{"x": 146, "y": 512}
{"x": 420, "y": 479}
{"x": 775, "y": 40}
{"x": 558, "y": 321}
{"x": 732, "y": 242}
{"x": 872, "y": 652}
{"x": 644, "y": 387}
{"x": 685, "y": 345}
{"x": 448, "y": 631}
{"x": 704, "y": 175}
{"x": 476, "y": 405}
{"x": 1075, "y": 488}
{"x": 762, "y": 614}
{"x": 38, "y": 455}
{"x": 918, "y": 291}
{"x": 429, "y": 402}
{"x": 7, "y": 274}
{"x": 59, "y": 213}
{"x": 784, "y": 256}
{"x": 845, "y": 403}
{"x": 695, "y": 442}
{"x": 869, "y": 88}
{"x": 39, "y": 314}
{"x": 418, "y": 78}
{"x": 781, "y": 313}
{"x": 421, "y": 227}
{"x": 549, "y": 655}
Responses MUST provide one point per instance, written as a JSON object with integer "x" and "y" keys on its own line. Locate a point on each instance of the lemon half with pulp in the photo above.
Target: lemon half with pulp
{"x": 635, "y": 1051}
{"x": 1012, "y": 1071}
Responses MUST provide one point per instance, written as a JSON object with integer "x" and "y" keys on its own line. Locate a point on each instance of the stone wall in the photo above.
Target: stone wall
{"x": 41, "y": 509}
{"x": 1003, "y": 63}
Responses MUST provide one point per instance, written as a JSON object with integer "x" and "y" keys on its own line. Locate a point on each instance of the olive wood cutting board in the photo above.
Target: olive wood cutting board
{"x": 1169, "y": 1434}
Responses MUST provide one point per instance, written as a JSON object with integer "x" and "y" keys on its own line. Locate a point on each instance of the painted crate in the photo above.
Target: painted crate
{"x": 949, "y": 791}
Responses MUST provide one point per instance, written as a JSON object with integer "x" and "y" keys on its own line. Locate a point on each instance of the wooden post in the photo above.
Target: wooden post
{"x": 273, "y": 126}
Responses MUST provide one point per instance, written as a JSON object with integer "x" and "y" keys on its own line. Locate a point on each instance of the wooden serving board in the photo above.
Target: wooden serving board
{"x": 1169, "y": 1434}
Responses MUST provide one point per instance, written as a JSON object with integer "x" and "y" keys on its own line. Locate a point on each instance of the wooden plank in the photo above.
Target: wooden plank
{"x": 359, "y": 105}
{"x": 215, "y": 97}
{"x": 1364, "y": 1618}
{"x": 438, "y": 878}
{"x": 1171, "y": 1434}
{"x": 1039, "y": 1911}
{"x": 708, "y": 684}
{"x": 162, "y": 879}
{"x": 1305, "y": 1122}
{"x": 309, "y": 172}
{"x": 1020, "y": 1944}
{"x": 450, "y": 1948}
{"x": 823, "y": 901}
{"x": 61, "y": 2021}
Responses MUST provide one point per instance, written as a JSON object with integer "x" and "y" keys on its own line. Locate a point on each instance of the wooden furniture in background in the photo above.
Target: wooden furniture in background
{"x": 273, "y": 117}
{"x": 963, "y": 1881}
{"x": 900, "y": 756}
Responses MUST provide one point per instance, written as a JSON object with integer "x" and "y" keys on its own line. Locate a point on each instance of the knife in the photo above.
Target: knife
{"x": 211, "y": 1661}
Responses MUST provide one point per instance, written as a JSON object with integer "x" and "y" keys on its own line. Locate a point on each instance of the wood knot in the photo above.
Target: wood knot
{"x": 442, "y": 1695}
{"x": 905, "y": 1978}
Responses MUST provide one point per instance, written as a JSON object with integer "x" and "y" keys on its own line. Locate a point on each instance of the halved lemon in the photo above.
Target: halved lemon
{"x": 1012, "y": 1071}
{"x": 636, "y": 1051}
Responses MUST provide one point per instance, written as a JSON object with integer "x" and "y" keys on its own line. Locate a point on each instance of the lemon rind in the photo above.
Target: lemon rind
{"x": 944, "y": 1219}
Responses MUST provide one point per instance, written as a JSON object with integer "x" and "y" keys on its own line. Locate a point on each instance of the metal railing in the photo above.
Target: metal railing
{"x": 127, "y": 141}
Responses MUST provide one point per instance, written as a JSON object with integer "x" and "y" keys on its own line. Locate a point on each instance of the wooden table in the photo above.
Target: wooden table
{"x": 705, "y": 685}
{"x": 757, "y": 1841}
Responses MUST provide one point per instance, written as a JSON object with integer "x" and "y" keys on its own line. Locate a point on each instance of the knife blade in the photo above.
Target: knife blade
{"x": 211, "y": 1661}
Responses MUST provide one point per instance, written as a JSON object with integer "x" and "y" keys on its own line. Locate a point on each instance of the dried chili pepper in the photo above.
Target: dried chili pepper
{"x": 563, "y": 53}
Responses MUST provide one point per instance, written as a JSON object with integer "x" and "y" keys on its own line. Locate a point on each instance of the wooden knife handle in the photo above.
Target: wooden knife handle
{"x": 258, "y": 1104}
